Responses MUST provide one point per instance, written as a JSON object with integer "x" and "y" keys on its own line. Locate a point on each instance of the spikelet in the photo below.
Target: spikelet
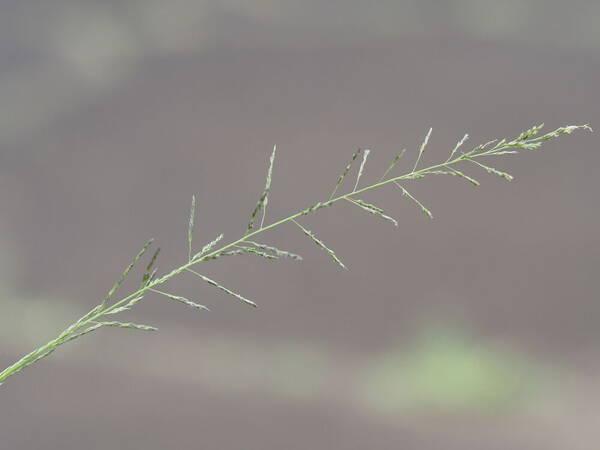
{"x": 264, "y": 198}
{"x": 561, "y": 131}
{"x": 268, "y": 186}
{"x": 372, "y": 209}
{"x": 82, "y": 333}
{"x": 95, "y": 310}
{"x": 417, "y": 202}
{"x": 460, "y": 174}
{"x": 320, "y": 243}
{"x": 532, "y": 132}
{"x": 413, "y": 175}
{"x": 276, "y": 251}
{"x": 528, "y": 145}
{"x": 134, "y": 326}
{"x": 223, "y": 253}
{"x": 223, "y": 288}
{"x": 120, "y": 281}
{"x": 361, "y": 168}
{"x": 393, "y": 164}
{"x": 149, "y": 272}
{"x": 208, "y": 247}
{"x": 458, "y": 145}
{"x": 506, "y": 176}
{"x": 452, "y": 172}
{"x": 341, "y": 178}
{"x": 313, "y": 208}
{"x": 134, "y": 301}
{"x": 505, "y": 152}
{"x": 191, "y": 227}
{"x": 257, "y": 252}
{"x": 48, "y": 353}
{"x": 422, "y": 148}
{"x": 433, "y": 172}
{"x": 180, "y": 299}
{"x": 482, "y": 148}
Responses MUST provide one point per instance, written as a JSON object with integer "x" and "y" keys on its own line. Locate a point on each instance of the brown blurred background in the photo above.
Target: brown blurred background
{"x": 477, "y": 330}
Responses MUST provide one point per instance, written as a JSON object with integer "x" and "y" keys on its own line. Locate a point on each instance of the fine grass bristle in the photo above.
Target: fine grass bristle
{"x": 320, "y": 243}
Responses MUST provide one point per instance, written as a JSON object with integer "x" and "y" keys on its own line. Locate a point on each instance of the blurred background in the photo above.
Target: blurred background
{"x": 477, "y": 330}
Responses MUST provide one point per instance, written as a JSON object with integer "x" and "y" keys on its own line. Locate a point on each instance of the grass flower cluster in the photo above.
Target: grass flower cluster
{"x": 104, "y": 314}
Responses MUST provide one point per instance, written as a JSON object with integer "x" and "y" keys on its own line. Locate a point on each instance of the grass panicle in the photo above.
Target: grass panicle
{"x": 531, "y": 139}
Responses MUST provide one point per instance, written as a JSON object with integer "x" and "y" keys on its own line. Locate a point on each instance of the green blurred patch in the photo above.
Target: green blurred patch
{"x": 298, "y": 371}
{"x": 449, "y": 372}
{"x": 27, "y": 322}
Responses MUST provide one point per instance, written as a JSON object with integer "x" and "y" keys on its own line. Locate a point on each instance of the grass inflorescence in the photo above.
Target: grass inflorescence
{"x": 102, "y": 315}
